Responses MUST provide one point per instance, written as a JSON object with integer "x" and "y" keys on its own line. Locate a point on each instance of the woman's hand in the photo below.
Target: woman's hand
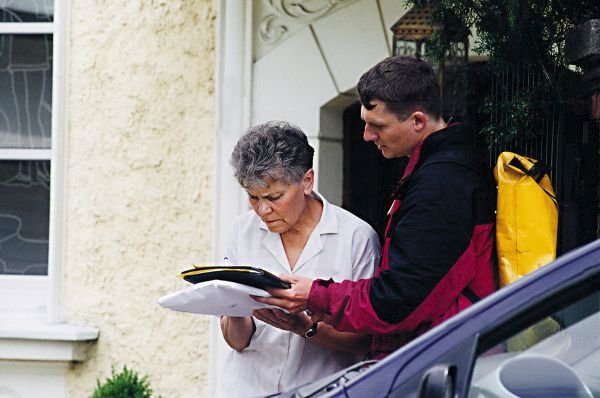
{"x": 295, "y": 323}
{"x": 326, "y": 337}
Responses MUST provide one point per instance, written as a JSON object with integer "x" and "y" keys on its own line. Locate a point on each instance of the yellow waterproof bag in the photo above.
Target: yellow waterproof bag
{"x": 526, "y": 218}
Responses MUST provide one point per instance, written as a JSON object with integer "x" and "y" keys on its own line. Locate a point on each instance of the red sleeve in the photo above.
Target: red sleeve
{"x": 349, "y": 302}
{"x": 349, "y": 305}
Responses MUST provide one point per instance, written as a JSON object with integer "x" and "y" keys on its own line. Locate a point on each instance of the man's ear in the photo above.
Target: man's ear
{"x": 420, "y": 120}
{"x": 308, "y": 181}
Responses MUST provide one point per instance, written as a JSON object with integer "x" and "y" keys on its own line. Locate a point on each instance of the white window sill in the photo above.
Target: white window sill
{"x": 45, "y": 342}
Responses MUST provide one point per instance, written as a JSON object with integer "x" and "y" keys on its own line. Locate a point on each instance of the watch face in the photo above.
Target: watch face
{"x": 311, "y": 332}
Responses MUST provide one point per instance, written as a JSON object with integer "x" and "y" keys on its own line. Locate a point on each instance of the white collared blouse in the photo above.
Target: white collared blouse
{"x": 342, "y": 246}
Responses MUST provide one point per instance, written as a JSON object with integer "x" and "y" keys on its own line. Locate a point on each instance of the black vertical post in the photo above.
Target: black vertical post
{"x": 581, "y": 222}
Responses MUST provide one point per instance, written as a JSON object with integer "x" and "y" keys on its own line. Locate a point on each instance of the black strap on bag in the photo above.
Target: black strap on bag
{"x": 471, "y": 295}
{"x": 537, "y": 172}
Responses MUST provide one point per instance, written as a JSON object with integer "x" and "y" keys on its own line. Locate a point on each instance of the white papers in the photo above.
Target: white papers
{"x": 215, "y": 297}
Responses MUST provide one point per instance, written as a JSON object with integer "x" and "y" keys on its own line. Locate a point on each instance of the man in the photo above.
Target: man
{"x": 437, "y": 255}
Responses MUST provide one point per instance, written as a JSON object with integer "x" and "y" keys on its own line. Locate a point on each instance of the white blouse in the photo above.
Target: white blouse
{"x": 341, "y": 247}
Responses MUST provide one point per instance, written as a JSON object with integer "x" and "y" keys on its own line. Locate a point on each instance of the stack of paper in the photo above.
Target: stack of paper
{"x": 222, "y": 290}
{"x": 215, "y": 297}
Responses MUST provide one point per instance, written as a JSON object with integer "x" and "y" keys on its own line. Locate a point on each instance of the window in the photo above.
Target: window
{"x": 557, "y": 356}
{"x": 29, "y": 146}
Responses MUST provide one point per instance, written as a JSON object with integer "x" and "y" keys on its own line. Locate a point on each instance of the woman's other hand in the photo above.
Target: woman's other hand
{"x": 295, "y": 323}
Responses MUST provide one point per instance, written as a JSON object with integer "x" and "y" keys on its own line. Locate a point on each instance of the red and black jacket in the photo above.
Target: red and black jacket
{"x": 437, "y": 254}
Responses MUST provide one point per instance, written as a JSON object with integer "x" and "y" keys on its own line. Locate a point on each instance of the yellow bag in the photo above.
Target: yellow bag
{"x": 526, "y": 218}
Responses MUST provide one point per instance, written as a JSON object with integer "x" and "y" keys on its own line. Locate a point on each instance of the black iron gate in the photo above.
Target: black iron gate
{"x": 561, "y": 133}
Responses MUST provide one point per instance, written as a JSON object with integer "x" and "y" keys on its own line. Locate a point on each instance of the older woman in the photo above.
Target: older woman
{"x": 291, "y": 230}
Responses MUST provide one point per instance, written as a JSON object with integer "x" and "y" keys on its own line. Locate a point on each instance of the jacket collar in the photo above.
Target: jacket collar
{"x": 457, "y": 134}
{"x": 454, "y": 135}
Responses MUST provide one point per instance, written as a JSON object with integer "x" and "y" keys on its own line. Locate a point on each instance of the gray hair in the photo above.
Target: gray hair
{"x": 274, "y": 150}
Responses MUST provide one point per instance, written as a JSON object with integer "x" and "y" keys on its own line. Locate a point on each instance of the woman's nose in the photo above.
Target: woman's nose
{"x": 264, "y": 207}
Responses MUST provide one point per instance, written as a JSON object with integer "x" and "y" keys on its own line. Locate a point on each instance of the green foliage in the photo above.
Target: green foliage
{"x": 518, "y": 111}
{"x": 125, "y": 384}
{"x": 507, "y": 28}
{"x": 517, "y": 36}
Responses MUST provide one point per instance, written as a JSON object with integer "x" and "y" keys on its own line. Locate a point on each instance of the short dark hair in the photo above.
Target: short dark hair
{"x": 404, "y": 84}
{"x": 274, "y": 150}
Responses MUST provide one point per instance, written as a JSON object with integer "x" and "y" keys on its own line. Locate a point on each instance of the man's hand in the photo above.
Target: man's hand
{"x": 320, "y": 317}
{"x": 294, "y": 300}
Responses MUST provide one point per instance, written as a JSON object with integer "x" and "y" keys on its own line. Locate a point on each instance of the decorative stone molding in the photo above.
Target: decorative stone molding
{"x": 271, "y": 30}
{"x": 274, "y": 26}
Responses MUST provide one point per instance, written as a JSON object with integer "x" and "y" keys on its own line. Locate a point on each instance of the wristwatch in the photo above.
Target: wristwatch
{"x": 312, "y": 332}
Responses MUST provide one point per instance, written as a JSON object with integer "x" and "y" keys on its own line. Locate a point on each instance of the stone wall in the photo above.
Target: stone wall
{"x": 139, "y": 187}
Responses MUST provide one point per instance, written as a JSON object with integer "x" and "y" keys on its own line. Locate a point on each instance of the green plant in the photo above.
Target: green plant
{"x": 533, "y": 29}
{"x": 125, "y": 384}
{"x": 521, "y": 39}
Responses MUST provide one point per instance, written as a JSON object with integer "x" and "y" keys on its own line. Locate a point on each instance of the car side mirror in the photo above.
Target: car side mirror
{"x": 438, "y": 382}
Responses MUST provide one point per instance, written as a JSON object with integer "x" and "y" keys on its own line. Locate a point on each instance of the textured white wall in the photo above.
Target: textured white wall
{"x": 139, "y": 185}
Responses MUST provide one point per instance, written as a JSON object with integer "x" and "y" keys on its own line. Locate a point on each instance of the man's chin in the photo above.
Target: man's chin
{"x": 386, "y": 154}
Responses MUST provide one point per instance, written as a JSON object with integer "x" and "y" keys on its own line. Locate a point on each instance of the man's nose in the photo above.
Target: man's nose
{"x": 369, "y": 135}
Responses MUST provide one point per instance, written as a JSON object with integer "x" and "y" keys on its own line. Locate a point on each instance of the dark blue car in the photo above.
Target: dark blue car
{"x": 538, "y": 337}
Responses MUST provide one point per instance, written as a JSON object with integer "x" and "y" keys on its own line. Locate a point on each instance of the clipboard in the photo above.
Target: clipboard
{"x": 249, "y": 276}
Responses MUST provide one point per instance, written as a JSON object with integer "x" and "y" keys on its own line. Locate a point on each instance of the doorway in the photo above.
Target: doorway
{"x": 369, "y": 178}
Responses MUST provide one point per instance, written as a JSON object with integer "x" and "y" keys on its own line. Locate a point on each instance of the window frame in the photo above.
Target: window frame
{"x": 38, "y": 298}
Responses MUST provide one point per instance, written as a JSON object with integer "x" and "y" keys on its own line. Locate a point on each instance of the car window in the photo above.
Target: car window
{"x": 558, "y": 356}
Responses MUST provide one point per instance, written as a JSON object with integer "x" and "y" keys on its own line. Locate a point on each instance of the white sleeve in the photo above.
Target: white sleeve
{"x": 230, "y": 252}
{"x": 365, "y": 253}
{"x": 231, "y": 247}
{"x": 257, "y": 341}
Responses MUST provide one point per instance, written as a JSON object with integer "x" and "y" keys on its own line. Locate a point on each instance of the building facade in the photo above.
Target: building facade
{"x": 130, "y": 151}
{"x": 121, "y": 148}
